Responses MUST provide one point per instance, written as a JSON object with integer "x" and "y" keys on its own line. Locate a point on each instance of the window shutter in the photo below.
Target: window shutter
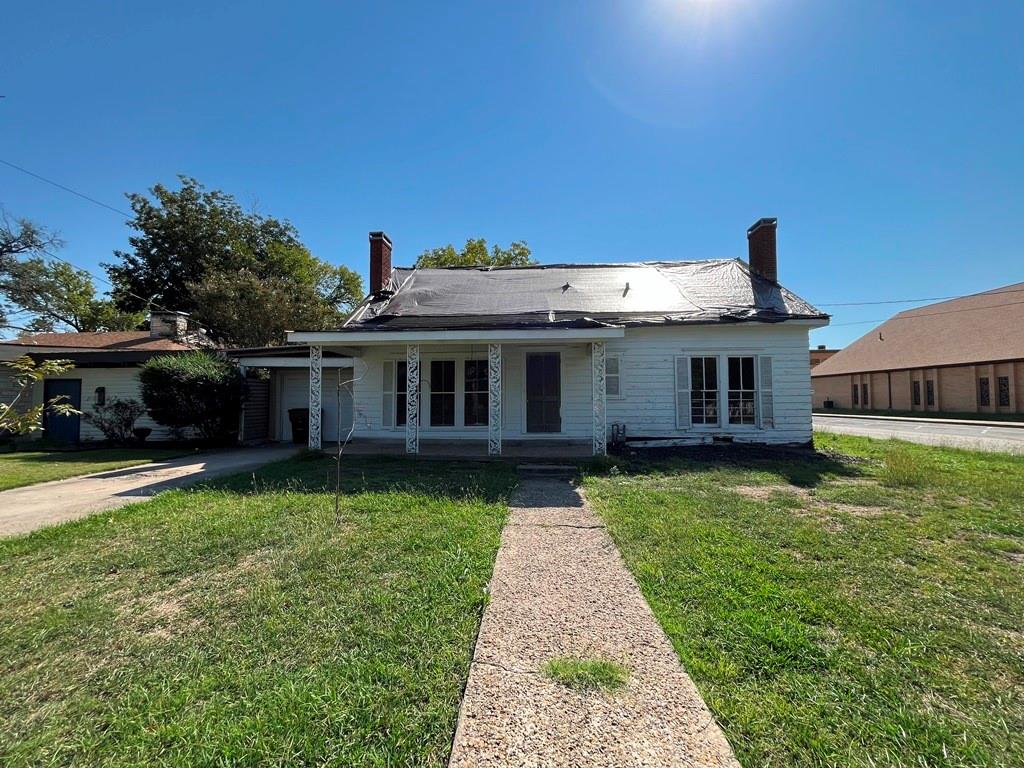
{"x": 388, "y": 397}
{"x": 682, "y": 392}
{"x": 767, "y": 411}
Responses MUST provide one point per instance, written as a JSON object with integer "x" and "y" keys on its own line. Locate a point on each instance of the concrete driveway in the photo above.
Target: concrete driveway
{"x": 36, "y": 506}
{"x": 979, "y": 437}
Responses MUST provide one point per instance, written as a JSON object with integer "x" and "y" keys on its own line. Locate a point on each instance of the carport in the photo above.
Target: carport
{"x": 277, "y": 381}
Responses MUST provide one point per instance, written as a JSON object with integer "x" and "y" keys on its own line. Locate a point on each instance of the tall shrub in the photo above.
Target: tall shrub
{"x": 195, "y": 390}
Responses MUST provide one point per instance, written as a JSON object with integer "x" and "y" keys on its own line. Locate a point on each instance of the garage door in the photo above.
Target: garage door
{"x": 294, "y": 393}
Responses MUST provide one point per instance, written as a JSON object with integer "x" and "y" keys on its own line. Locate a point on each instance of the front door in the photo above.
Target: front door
{"x": 62, "y": 429}
{"x": 543, "y": 392}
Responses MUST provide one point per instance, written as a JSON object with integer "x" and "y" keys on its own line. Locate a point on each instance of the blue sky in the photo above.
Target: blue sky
{"x": 885, "y": 136}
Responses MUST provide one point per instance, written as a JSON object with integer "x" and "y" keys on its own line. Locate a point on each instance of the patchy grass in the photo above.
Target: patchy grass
{"x": 30, "y": 467}
{"x": 243, "y": 624}
{"x": 587, "y": 674}
{"x": 902, "y": 467}
{"x": 827, "y": 618}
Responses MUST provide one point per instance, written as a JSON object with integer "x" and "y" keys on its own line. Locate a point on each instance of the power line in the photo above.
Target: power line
{"x": 57, "y": 184}
{"x": 912, "y": 301}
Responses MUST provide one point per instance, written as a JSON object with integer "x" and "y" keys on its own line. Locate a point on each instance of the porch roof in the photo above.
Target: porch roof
{"x": 444, "y": 336}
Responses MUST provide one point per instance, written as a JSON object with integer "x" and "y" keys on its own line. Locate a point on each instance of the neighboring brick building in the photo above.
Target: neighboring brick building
{"x": 821, "y": 354}
{"x": 963, "y": 355}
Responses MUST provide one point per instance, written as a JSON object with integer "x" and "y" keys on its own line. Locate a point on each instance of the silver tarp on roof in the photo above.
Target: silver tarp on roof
{"x": 649, "y": 293}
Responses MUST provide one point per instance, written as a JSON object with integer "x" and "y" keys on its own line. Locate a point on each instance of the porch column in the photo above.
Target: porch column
{"x": 316, "y": 354}
{"x": 412, "y": 398}
{"x": 494, "y": 399}
{"x": 597, "y": 358}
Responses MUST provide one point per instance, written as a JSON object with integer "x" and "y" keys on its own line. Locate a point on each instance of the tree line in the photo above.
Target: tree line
{"x": 243, "y": 276}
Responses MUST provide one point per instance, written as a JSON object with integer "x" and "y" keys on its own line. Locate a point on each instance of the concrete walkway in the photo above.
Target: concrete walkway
{"x": 561, "y": 589}
{"x": 36, "y": 506}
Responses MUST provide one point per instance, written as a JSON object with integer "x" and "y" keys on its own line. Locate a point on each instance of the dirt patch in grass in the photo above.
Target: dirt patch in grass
{"x": 813, "y": 506}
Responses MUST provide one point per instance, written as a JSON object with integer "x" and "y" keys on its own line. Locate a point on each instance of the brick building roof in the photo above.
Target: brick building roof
{"x": 984, "y": 327}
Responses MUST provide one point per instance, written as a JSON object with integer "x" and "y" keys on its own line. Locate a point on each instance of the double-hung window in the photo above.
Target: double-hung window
{"x": 613, "y": 376}
{"x": 442, "y": 393}
{"x": 742, "y": 391}
{"x": 856, "y": 394}
{"x": 929, "y": 392}
{"x": 704, "y": 390}
{"x": 475, "y": 400}
{"x": 395, "y": 389}
{"x": 916, "y": 392}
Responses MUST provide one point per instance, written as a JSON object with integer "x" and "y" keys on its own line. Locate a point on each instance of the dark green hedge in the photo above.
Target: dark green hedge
{"x": 195, "y": 390}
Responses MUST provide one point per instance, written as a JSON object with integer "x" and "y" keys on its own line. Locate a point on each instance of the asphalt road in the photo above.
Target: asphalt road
{"x": 977, "y": 437}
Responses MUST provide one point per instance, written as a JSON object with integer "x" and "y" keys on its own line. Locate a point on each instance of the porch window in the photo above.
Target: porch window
{"x": 475, "y": 402}
{"x": 442, "y": 393}
{"x": 401, "y": 391}
{"x": 612, "y": 386}
{"x": 742, "y": 391}
{"x": 704, "y": 390}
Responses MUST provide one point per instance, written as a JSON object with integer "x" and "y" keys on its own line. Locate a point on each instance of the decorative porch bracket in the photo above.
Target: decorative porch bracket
{"x": 494, "y": 399}
{"x": 412, "y": 399}
{"x": 316, "y": 355}
{"x": 597, "y": 359}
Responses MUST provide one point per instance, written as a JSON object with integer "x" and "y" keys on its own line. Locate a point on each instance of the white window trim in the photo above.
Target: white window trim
{"x": 723, "y": 426}
{"x": 460, "y": 359}
{"x": 622, "y": 390}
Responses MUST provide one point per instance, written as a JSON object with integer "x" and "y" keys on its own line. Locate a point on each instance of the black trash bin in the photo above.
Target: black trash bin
{"x": 299, "y": 417}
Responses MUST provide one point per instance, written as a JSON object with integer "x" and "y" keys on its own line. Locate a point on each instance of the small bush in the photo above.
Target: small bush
{"x": 116, "y": 419}
{"x": 901, "y": 468}
{"x": 196, "y": 391}
{"x": 587, "y": 674}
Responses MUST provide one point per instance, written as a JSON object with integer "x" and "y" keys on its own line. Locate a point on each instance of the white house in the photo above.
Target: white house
{"x": 662, "y": 352}
{"x": 106, "y": 368}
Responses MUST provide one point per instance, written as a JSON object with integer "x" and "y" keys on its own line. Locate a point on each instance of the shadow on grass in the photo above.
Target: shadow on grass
{"x": 802, "y": 467}
{"x": 488, "y": 481}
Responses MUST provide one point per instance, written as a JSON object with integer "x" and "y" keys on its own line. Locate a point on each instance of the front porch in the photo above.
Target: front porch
{"x": 430, "y": 448}
{"x": 526, "y": 394}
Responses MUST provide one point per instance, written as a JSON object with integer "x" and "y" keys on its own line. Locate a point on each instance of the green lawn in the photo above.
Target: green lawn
{"x": 864, "y": 607}
{"x": 30, "y": 467}
{"x": 246, "y": 625}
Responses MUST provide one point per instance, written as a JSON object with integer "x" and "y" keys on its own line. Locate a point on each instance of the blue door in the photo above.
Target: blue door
{"x": 62, "y": 429}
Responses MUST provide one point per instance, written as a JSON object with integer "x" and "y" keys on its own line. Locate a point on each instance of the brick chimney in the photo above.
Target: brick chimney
{"x": 167, "y": 325}
{"x": 380, "y": 261}
{"x": 761, "y": 245}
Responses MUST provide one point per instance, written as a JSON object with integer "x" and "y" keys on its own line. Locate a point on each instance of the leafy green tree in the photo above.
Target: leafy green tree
{"x": 475, "y": 254}
{"x": 196, "y": 250}
{"x": 195, "y": 390}
{"x": 17, "y": 419}
{"x": 258, "y": 310}
{"x": 59, "y": 296}
{"x": 53, "y": 294}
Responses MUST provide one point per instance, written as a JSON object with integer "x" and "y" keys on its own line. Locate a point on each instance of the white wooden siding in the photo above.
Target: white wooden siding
{"x": 121, "y": 384}
{"x": 647, "y": 405}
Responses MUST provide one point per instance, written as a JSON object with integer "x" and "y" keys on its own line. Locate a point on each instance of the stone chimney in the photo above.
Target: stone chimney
{"x": 167, "y": 325}
{"x": 761, "y": 246}
{"x": 380, "y": 261}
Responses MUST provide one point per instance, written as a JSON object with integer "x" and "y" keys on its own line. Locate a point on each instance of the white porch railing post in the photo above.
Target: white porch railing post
{"x": 597, "y": 358}
{"x": 412, "y": 399}
{"x": 316, "y": 354}
{"x": 494, "y": 399}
